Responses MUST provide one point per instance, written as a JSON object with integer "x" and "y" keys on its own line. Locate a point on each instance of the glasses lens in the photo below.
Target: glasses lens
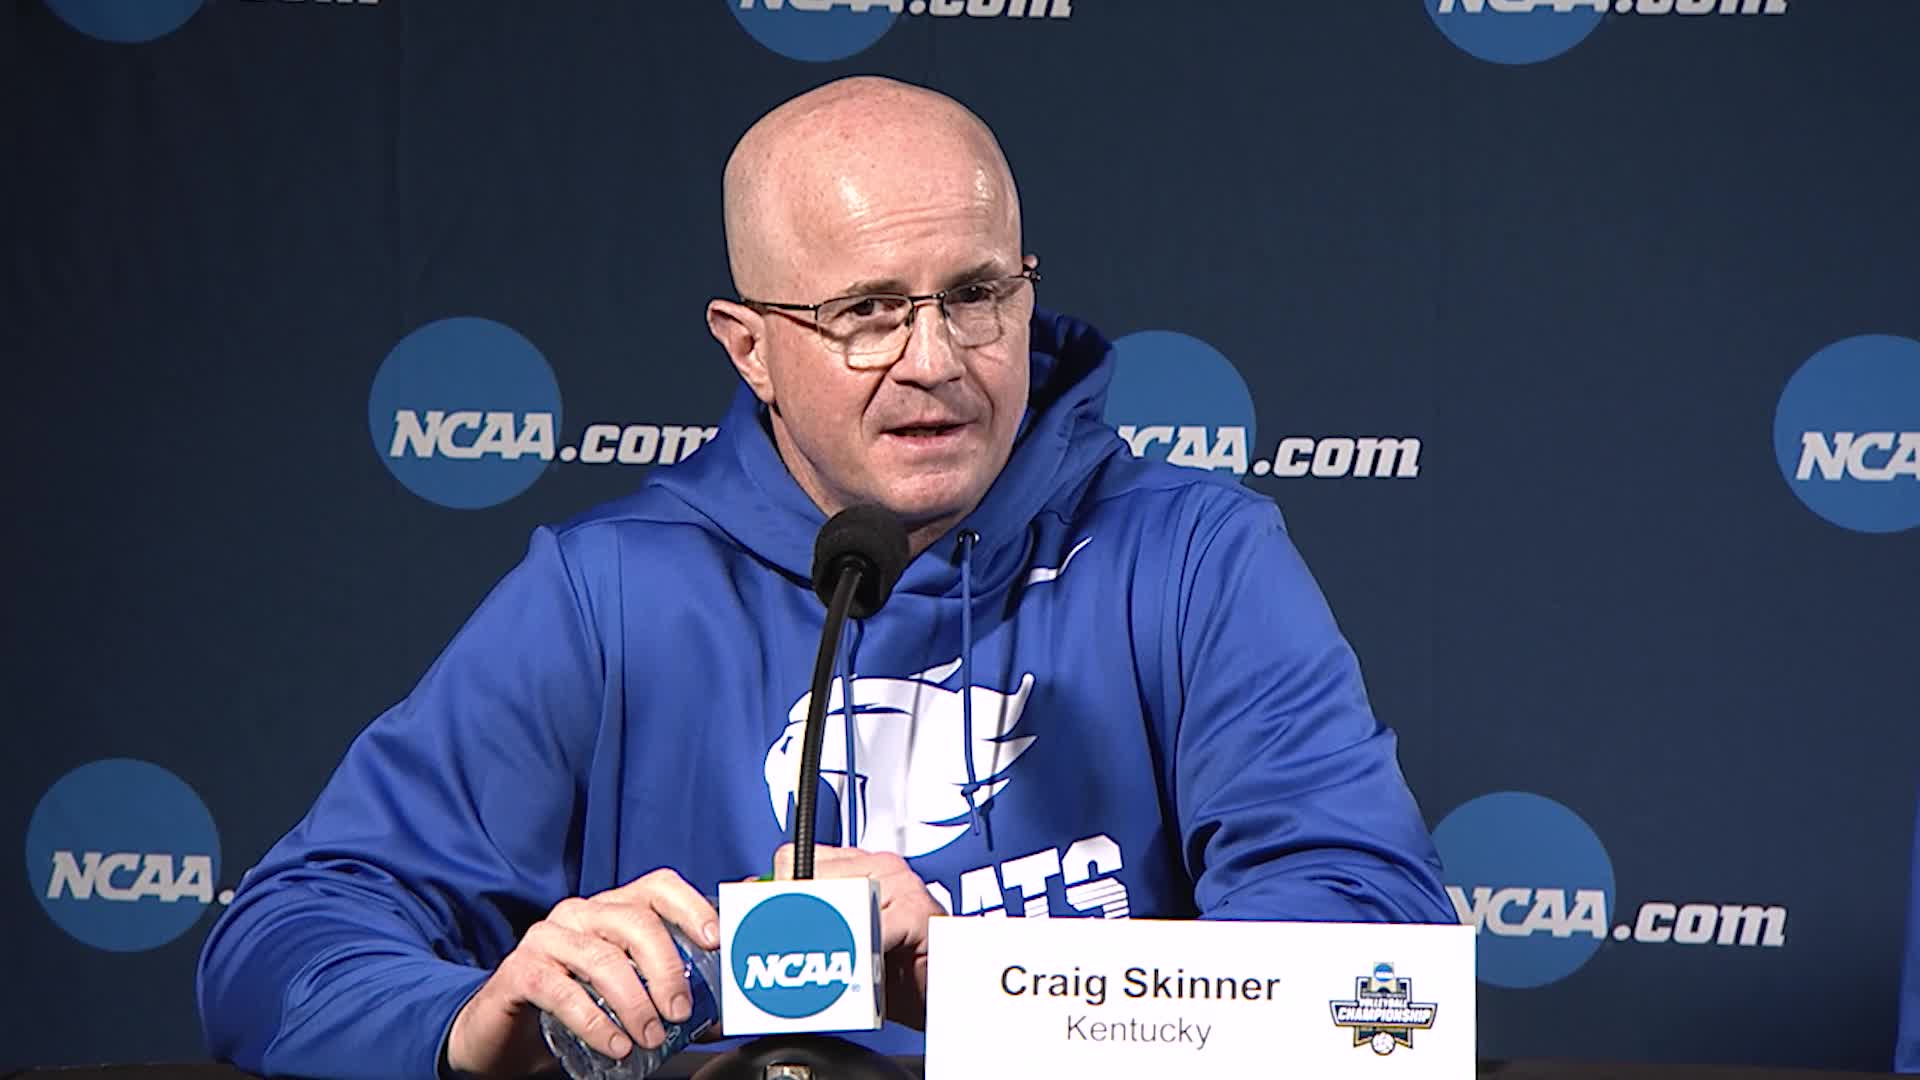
{"x": 865, "y": 329}
{"x": 974, "y": 311}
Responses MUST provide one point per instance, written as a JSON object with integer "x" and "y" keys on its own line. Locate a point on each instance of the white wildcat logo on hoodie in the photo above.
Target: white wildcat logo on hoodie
{"x": 908, "y": 771}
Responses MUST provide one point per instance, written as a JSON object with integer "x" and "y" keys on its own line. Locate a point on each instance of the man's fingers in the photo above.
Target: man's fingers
{"x": 542, "y": 981}
{"x": 846, "y": 862}
{"x": 635, "y": 921}
{"x": 619, "y": 944}
{"x": 670, "y": 897}
{"x": 603, "y": 961}
{"x": 661, "y": 967}
{"x": 828, "y": 862}
{"x": 904, "y": 902}
{"x": 574, "y": 1007}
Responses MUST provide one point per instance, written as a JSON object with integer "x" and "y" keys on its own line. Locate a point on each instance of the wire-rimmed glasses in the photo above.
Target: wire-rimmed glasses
{"x": 870, "y": 330}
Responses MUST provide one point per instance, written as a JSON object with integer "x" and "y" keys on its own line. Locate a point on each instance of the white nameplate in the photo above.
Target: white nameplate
{"x": 800, "y": 956}
{"x": 1157, "y": 998}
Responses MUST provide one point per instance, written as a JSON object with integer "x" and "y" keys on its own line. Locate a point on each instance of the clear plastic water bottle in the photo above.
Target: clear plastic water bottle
{"x": 582, "y": 1062}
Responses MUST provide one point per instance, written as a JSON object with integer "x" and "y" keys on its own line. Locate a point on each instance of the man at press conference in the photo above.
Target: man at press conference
{"x": 1102, "y": 686}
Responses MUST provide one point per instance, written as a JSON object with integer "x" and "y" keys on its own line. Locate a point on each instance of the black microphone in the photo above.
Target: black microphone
{"x": 858, "y": 556}
{"x": 866, "y": 539}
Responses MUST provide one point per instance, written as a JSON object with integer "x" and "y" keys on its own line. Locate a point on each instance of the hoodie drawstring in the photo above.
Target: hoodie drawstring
{"x": 968, "y": 538}
{"x": 850, "y": 794}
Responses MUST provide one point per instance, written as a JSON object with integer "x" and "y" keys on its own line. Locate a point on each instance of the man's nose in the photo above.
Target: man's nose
{"x": 930, "y": 357}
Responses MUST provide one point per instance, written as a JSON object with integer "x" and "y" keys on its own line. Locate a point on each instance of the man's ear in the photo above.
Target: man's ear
{"x": 742, "y": 332}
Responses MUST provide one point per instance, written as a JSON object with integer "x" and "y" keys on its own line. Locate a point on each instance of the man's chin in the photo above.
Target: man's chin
{"x": 926, "y": 517}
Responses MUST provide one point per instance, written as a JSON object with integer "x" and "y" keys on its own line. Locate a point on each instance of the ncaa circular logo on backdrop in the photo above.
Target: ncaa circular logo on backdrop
{"x": 1516, "y": 31}
{"x": 125, "y": 21}
{"x": 1177, "y": 399}
{"x": 1846, "y": 433}
{"x": 816, "y": 30}
{"x": 1532, "y": 879}
{"x": 793, "y": 955}
{"x": 123, "y": 855}
{"x": 463, "y": 412}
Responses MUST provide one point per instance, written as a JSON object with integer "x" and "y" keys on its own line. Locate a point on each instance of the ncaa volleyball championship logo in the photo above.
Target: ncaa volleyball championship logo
{"x": 123, "y": 855}
{"x": 125, "y": 21}
{"x": 793, "y": 955}
{"x": 1846, "y": 434}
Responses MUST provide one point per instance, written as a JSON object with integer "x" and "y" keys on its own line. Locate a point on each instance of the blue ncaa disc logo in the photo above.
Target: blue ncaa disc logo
{"x": 1515, "y": 31}
{"x": 1177, "y": 399}
{"x": 463, "y": 412}
{"x": 1846, "y": 434}
{"x": 816, "y": 30}
{"x": 793, "y": 955}
{"x": 127, "y": 22}
{"x": 123, "y": 855}
{"x": 1535, "y": 882}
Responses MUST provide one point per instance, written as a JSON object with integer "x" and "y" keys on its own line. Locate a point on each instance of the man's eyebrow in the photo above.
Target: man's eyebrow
{"x": 980, "y": 271}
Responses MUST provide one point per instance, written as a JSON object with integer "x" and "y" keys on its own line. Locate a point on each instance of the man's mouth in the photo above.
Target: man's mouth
{"x": 924, "y": 431}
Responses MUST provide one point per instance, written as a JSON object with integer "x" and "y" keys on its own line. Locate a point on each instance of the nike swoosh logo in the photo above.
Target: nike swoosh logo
{"x": 1047, "y": 573}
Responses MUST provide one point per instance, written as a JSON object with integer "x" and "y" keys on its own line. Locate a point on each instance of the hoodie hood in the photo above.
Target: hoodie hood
{"x": 738, "y": 481}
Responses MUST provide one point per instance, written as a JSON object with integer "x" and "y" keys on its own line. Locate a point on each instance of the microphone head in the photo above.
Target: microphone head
{"x": 874, "y": 539}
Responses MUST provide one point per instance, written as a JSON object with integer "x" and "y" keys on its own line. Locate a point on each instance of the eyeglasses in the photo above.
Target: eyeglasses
{"x": 870, "y": 330}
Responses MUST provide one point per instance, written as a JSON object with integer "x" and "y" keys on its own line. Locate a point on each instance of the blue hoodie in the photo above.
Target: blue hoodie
{"x": 1125, "y": 697}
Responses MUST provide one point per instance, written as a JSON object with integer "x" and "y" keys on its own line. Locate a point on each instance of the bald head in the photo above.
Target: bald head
{"x": 869, "y": 186}
{"x": 824, "y": 169}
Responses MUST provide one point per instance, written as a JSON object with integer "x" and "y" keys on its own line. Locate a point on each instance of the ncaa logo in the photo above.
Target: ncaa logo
{"x": 125, "y": 21}
{"x": 1532, "y": 879}
{"x": 811, "y": 29}
{"x": 1846, "y": 433}
{"x": 793, "y": 955}
{"x": 1176, "y": 399}
{"x": 463, "y": 412}
{"x": 1515, "y": 31}
{"x": 122, "y": 855}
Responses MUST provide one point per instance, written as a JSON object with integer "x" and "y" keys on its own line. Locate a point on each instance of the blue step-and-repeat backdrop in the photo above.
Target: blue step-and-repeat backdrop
{"x": 1579, "y": 339}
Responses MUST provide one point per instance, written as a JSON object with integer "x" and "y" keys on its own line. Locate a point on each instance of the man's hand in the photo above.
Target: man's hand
{"x": 905, "y": 907}
{"x": 497, "y": 1032}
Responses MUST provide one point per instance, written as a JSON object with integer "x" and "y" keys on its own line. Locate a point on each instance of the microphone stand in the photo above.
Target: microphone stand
{"x": 850, "y": 572}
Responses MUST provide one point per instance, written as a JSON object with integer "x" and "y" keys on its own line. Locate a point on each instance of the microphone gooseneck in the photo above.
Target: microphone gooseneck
{"x": 859, "y": 555}
{"x": 805, "y": 796}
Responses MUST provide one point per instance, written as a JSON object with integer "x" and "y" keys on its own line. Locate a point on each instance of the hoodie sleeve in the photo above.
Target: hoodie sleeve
{"x": 449, "y": 827}
{"x": 1291, "y": 800}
